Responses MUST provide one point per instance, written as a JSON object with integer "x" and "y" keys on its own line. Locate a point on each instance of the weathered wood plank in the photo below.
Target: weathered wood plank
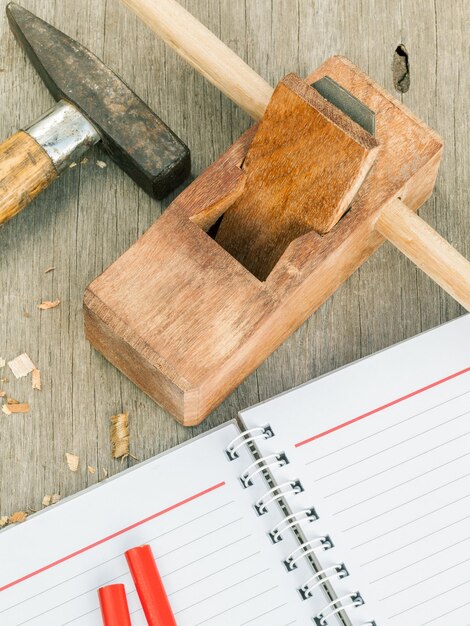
{"x": 91, "y": 215}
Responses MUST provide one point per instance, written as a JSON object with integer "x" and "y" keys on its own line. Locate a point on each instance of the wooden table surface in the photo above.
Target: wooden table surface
{"x": 92, "y": 215}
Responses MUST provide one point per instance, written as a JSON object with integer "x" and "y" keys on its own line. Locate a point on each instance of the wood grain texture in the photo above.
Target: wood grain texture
{"x": 90, "y": 216}
{"x": 187, "y": 322}
{"x": 303, "y": 168}
{"x": 431, "y": 252}
{"x": 25, "y": 171}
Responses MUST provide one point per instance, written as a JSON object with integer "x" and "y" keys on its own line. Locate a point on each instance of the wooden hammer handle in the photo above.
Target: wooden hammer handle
{"x": 25, "y": 171}
{"x": 427, "y": 249}
{"x": 206, "y": 53}
{"x": 222, "y": 67}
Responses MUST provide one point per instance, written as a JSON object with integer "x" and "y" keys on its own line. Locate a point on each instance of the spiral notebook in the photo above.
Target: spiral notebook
{"x": 344, "y": 502}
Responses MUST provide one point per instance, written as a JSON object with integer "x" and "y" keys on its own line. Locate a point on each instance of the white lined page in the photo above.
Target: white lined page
{"x": 383, "y": 451}
{"x": 213, "y": 552}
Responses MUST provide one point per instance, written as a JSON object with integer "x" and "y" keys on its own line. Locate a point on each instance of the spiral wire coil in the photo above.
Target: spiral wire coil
{"x": 306, "y": 549}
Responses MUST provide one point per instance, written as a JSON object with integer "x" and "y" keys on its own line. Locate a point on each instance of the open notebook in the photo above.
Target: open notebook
{"x": 343, "y": 502}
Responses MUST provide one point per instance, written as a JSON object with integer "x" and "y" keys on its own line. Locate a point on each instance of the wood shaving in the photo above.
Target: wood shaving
{"x": 5, "y": 409}
{"x": 72, "y": 461}
{"x": 4, "y": 380}
{"x": 3, "y": 521}
{"x": 49, "y": 269}
{"x": 26, "y": 314}
{"x": 12, "y": 401}
{"x": 84, "y": 161}
{"x": 120, "y": 435}
{"x": 104, "y": 474}
{"x": 36, "y": 379}
{"x": 91, "y": 470}
{"x": 17, "y": 517}
{"x": 101, "y": 164}
{"x": 72, "y": 165}
{"x": 51, "y": 499}
{"x": 21, "y": 366}
{"x": 48, "y": 304}
{"x": 2, "y": 362}
{"x": 17, "y": 408}
{"x": 3, "y": 394}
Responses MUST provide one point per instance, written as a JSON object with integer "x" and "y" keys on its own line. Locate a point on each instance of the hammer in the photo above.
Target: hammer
{"x": 222, "y": 67}
{"x": 93, "y": 106}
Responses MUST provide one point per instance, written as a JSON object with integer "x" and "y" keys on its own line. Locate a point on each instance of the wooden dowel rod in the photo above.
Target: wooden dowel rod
{"x": 427, "y": 249}
{"x": 206, "y": 53}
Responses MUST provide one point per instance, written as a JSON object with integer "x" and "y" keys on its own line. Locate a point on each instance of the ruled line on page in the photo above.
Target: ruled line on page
{"x": 399, "y": 506}
{"x": 457, "y": 608}
{"x": 228, "y": 545}
{"x": 276, "y": 608}
{"x": 428, "y": 556}
{"x": 383, "y": 407}
{"x": 103, "y": 583}
{"x": 113, "y": 535}
{"x": 391, "y": 467}
{"x": 218, "y": 571}
{"x": 395, "y": 445}
{"x": 402, "y": 484}
{"x": 408, "y": 523}
{"x": 120, "y": 575}
{"x": 433, "y": 597}
{"x": 383, "y": 430}
{"x": 210, "y": 532}
{"x": 415, "y": 541}
{"x": 118, "y": 556}
{"x": 216, "y": 593}
{"x": 420, "y": 582}
{"x": 261, "y": 593}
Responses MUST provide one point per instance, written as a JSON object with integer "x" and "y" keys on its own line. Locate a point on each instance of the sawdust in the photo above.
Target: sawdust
{"x": 3, "y": 521}
{"x": 104, "y": 473}
{"x": 72, "y": 165}
{"x": 2, "y": 362}
{"x": 120, "y": 435}
{"x": 101, "y": 164}
{"x": 17, "y": 517}
{"x": 21, "y": 366}
{"x": 72, "y": 461}
{"x": 16, "y": 408}
{"x": 91, "y": 469}
{"x": 48, "y": 304}
{"x": 51, "y": 499}
{"x": 2, "y": 394}
{"x": 84, "y": 161}
{"x": 36, "y": 379}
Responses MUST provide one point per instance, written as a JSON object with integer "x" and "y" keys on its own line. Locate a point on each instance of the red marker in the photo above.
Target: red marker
{"x": 150, "y": 587}
{"x": 113, "y": 603}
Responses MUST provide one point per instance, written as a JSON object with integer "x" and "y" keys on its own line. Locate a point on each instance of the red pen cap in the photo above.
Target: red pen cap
{"x": 113, "y": 603}
{"x": 150, "y": 587}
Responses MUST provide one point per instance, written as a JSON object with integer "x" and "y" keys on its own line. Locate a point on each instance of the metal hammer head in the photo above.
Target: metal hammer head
{"x": 131, "y": 133}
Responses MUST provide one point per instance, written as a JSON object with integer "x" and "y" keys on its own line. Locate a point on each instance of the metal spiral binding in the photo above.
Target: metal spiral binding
{"x": 337, "y": 571}
{"x": 245, "y": 438}
{"x": 261, "y": 504}
{"x": 306, "y": 549}
{"x": 278, "y": 460}
{"x": 291, "y": 521}
{"x": 355, "y": 599}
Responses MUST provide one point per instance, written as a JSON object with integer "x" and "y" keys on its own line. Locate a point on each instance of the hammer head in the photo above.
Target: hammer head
{"x": 131, "y": 133}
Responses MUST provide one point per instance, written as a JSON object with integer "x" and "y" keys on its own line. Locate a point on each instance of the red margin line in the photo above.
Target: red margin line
{"x": 381, "y": 408}
{"x": 109, "y": 537}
